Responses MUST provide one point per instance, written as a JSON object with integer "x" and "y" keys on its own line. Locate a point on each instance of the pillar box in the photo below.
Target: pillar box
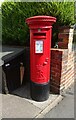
{"x": 40, "y": 43}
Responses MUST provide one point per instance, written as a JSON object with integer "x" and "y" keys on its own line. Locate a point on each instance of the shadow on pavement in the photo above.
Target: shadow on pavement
{"x": 23, "y": 91}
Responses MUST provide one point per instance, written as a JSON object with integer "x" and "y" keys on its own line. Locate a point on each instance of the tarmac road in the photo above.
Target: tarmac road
{"x": 65, "y": 109}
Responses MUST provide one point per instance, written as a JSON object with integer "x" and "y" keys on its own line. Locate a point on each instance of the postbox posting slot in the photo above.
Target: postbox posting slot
{"x": 39, "y": 35}
{"x": 39, "y": 46}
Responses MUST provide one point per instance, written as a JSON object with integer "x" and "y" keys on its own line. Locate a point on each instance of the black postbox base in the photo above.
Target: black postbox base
{"x": 40, "y": 92}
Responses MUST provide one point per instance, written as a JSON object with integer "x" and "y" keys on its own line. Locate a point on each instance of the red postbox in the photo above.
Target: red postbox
{"x": 40, "y": 43}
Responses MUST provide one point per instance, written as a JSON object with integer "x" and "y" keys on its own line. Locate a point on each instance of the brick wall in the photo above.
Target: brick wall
{"x": 75, "y": 65}
{"x": 62, "y": 70}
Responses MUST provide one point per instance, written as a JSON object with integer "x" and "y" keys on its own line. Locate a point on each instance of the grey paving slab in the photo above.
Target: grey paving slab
{"x": 44, "y": 104}
{"x": 25, "y": 92}
{"x": 17, "y": 107}
{"x": 0, "y": 106}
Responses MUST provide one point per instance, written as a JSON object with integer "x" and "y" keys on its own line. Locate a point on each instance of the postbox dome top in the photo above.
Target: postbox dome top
{"x": 40, "y": 21}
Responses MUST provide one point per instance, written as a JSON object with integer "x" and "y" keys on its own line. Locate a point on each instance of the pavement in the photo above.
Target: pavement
{"x": 20, "y": 105}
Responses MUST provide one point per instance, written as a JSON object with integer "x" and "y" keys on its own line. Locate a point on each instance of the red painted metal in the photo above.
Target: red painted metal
{"x": 40, "y": 34}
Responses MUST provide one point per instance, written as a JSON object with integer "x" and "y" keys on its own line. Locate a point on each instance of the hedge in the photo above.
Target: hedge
{"x": 14, "y": 29}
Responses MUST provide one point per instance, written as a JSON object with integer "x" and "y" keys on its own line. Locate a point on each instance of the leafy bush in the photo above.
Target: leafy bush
{"x": 14, "y": 29}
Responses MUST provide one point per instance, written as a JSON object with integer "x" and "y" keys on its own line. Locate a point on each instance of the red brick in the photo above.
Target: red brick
{"x": 54, "y": 89}
{"x": 55, "y": 80}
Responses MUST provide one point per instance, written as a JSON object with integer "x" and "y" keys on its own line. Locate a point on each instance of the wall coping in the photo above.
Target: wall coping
{"x": 57, "y": 49}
